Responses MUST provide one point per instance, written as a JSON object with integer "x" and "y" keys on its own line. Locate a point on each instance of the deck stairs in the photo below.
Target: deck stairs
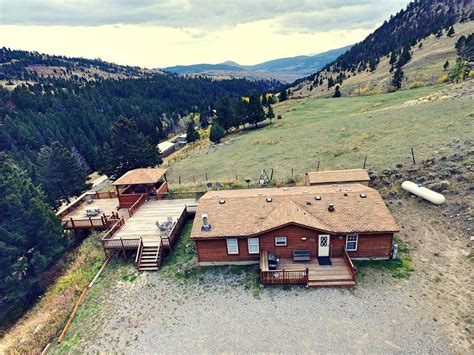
{"x": 150, "y": 257}
{"x": 330, "y": 278}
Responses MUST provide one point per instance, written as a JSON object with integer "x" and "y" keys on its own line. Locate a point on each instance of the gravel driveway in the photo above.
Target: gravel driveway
{"x": 153, "y": 315}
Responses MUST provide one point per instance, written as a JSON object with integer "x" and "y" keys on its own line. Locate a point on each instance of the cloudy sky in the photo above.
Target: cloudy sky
{"x": 160, "y": 33}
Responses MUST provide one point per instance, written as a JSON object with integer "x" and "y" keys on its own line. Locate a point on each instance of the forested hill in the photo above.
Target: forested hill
{"x": 396, "y": 41}
{"x": 80, "y": 116}
{"x": 34, "y": 66}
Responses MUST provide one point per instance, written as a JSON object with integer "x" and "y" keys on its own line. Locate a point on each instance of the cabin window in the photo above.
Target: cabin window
{"x": 351, "y": 242}
{"x": 232, "y": 246}
{"x": 254, "y": 247}
{"x": 280, "y": 241}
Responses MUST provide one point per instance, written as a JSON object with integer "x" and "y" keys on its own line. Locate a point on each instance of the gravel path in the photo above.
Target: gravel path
{"x": 166, "y": 318}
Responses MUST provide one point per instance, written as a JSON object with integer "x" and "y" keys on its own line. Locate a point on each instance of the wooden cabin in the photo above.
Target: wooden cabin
{"x": 352, "y": 176}
{"x": 150, "y": 182}
{"x": 314, "y": 232}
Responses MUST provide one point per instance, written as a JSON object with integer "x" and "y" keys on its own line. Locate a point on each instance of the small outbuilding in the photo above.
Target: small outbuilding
{"x": 353, "y": 176}
{"x": 150, "y": 182}
{"x": 166, "y": 148}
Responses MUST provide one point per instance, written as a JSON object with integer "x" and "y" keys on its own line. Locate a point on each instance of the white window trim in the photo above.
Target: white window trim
{"x": 352, "y": 241}
{"x": 281, "y": 245}
{"x": 250, "y": 246}
{"x": 229, "y": 246}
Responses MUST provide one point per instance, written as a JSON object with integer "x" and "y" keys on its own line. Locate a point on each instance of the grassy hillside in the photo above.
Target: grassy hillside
{"x": 425, "y": 68}
{"x": 339, "y": 133}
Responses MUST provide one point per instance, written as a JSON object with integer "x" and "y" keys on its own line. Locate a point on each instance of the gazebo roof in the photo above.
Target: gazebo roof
{"x": 141, "y": 176}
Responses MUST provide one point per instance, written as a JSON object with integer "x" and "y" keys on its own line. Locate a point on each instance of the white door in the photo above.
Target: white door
{"x": 323, "y": 246}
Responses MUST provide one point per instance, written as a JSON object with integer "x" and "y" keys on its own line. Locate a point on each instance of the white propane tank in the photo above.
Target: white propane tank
{"x": 423, "y": 192}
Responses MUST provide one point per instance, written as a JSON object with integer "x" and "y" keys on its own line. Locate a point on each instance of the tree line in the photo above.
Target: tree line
{"x": 232, "y": 113}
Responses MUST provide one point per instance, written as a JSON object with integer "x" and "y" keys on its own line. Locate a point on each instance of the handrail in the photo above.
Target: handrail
{"x": 136, "y": 204}
{"x": 139, "y": 251}
{"x": 350, "y": 264}
{"x": 111, "y": 232}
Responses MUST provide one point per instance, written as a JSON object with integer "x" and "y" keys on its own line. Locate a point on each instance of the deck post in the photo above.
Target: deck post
{"x": 123, "y": 248}
{"x": 90, "y": 221}
{"x": 283, "y": 275}
{"x": 72, "y": 224}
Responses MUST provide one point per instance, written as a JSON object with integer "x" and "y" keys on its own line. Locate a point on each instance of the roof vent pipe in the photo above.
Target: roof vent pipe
{"x": 331, "y": 207}
{"x": 206, "y": 227}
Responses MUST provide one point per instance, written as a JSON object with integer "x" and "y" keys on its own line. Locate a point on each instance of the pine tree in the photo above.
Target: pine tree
{"x": 451, "y": 32}
{"x": 31, "y": 239}
{"x": 60, "y": 174}
{"x": 225, "y": 113}
{"x": 217, "y": 133}
{"x": 283, "y": 95}
{"x": 130, "y": 149}
{"x": 337, "y": 92}
{"x": 397, "y": 78}
{"x": 270, "y": 114}
{"x": 204, "y": 119}
{"x": 264, "y": 99}
{"x": 256, "y": 113}
{"x": 191, "y": 133}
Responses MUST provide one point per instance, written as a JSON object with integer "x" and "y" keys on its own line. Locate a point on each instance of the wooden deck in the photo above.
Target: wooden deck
{"x": 75, "y": 217}
{"x": 340, "y": 274}
{"x": 337, "y": 274}
{"x": 143, "y": 222}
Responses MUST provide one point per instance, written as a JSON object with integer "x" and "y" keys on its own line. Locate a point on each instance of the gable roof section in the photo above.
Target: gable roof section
{"x": 337, "y": 176}
{"x": 246, "y": 212}
{"x": 140, "y": 176}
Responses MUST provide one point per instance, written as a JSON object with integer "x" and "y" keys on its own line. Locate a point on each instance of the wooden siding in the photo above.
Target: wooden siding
{"x": 370, "y": 245}
{"x": 127, "y": 201}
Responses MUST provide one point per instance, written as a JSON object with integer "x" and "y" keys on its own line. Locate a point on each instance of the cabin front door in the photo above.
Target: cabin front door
{"x": 323, "y": 245}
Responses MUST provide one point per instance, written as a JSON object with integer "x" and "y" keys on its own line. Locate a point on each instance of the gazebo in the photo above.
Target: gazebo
{"x": 135, "y": 183}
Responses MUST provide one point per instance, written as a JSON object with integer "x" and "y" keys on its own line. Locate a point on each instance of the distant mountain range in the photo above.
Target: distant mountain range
{"x": 284, "y": 69}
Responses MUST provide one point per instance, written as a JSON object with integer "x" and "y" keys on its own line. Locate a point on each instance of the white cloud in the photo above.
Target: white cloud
{"x": 169, "y": 32}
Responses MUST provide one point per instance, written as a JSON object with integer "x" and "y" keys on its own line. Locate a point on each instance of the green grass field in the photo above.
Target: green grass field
{"x": 339, "y": 133}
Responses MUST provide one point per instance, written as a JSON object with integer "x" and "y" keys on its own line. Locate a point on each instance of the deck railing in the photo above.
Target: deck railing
{"x": 284, "y": 277}
{"x": 136, "y": 205}
{"x": 180, "y": 195}
{"x": 350, "y": 264}
{"x": 139, "y": 252}
{"x": 281, "y": 277}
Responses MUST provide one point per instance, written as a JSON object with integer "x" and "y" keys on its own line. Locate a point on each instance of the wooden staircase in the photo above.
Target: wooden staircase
{"x": 149, "y": 257}
{"x": 340, "y": 274}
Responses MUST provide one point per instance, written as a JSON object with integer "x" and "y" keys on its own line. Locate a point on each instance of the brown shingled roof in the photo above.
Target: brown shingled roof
{"x": 337, "y": 176}
{"x": 140, "y": 176}
{"x": 246, "y": 212}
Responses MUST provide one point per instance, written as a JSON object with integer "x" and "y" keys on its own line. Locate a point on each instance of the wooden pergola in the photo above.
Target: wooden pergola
{"x": 137, "y": 183}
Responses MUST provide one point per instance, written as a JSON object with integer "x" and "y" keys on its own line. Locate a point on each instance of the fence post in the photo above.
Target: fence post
{"x": 319, "y": 161}
{"x": 365, "y": 161}
{"x": 179, "y": 179}
{"x": 206, "y": 177}
{"x": 413, "y": 156}
{"x": 291, "y": 172}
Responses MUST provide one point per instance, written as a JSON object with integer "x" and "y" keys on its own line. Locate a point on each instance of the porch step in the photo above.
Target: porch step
{"x": 339, "y": 283}
{"x": 334, "y": 277}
